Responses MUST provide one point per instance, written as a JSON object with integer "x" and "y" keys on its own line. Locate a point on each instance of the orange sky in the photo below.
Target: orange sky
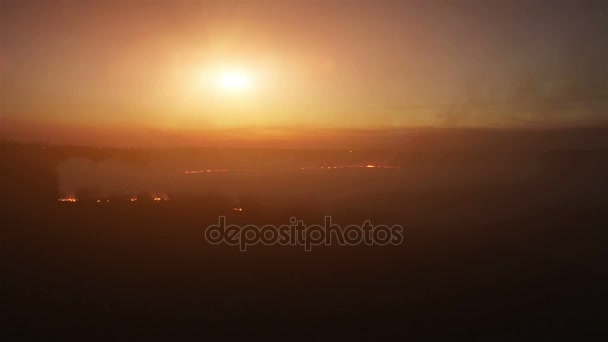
{"x": 96, "y": 70}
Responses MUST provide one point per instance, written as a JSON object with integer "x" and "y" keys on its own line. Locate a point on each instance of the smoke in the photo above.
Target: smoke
{"x": 91, "y": 180}
{"x": 111, "y": 178}
{"x": 88, "y": 179}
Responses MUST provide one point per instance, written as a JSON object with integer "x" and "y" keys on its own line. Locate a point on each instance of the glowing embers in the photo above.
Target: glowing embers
{"x": 215, "y": 171}
{"x": 151, "y": 197}
{"x": 341, "y": 167}
{"x": 332, "y": 167}
{"x": 130, "y": 198}
{"x": 68, "y": 199}
{"x": 237, "y": 209}
{"x": 160, "y": 198}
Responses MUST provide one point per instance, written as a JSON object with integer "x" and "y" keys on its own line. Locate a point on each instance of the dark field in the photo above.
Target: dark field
{"x": 505, "y": 239}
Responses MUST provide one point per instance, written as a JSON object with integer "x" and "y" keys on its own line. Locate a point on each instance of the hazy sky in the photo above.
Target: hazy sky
{"x": 151, "y": 65}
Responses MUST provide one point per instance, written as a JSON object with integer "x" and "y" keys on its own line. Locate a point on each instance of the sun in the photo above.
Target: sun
{"x": 234, "y": 80}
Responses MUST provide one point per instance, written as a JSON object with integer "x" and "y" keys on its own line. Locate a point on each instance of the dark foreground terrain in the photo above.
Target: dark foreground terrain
{"x": 502, "y": 242}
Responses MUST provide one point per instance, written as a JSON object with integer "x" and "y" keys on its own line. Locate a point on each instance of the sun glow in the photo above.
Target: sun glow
{"x": 234, "y": 80}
